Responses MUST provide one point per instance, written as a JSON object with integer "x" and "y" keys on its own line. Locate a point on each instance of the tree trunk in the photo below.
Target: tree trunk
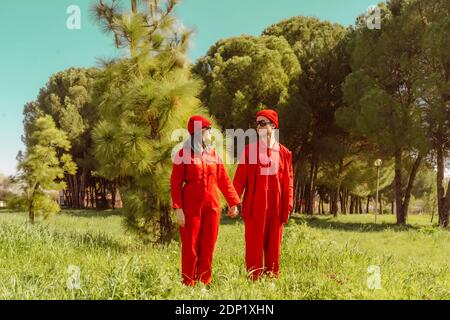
{"x": 347, "y": 200}
{"x": 93, "y": 194}
{"x": 442, "y": 199}
{"x": 347, "y": 197}
{"x": 402, "y": 200}
{"x": 342, "y": 197}
{"x": 380, "y": 204}
{"x": 166, "y": 225}
{"x": 133, "y": 6}
{"x": 304, "y": 198}
{"x": 113, "y": 194}
{"x": 65, "y": 197}
{"x": 444, "y": 219}
{"x": 316, "y": 169}
{"x": 296, "y": 186}
{"x": 334, "y": 202}
{"x": 360, "y": 205}
{"x": 401, "y": 219}
{"x": 368, "y": 202}
{"x": 311, "y": 186}
{"x": 69, "y": 190}
{"x": 91, "y": 197}
{"x": 82, "y": 191}
{"x": 352, "y": 204}
{"x": 103, "y": 195}
{"x": 75, "y": 192}
{"x": 31, "y": 213}
{"x": 299, "y": 184}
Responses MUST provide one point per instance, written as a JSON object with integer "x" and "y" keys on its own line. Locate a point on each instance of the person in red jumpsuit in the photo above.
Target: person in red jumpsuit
{"x": 197, "y": 176}
{"x": 265, "y": 174}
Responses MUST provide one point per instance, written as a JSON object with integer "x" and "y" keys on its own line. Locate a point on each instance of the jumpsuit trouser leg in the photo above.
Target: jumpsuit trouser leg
{"x": 198, "y": 237}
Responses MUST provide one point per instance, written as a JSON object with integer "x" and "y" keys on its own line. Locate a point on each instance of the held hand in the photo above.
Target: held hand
{"x": 233, "y": 212}
{"x": 180, "y": 217}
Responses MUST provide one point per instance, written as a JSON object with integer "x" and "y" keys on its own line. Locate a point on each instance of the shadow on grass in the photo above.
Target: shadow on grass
{"x": 225, "y": 220}
{"x": 331, "y": 223}
{"x": 10, "y": 211}
{"x": 90, "y": 240}
{"x": 91, "y": 213}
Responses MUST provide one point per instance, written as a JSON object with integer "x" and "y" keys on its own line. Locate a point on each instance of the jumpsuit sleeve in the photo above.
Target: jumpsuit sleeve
{"x": 176, "y": 184}
{"x": 225, "y": 186}
{"x": 240, "y": 177}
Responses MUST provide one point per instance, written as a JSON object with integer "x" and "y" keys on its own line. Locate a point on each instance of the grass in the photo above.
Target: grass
{"x": 322, "y": 258}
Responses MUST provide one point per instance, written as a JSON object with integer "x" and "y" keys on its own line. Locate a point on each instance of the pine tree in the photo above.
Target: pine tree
{"x": 381, "y": 103}
{"x": 66, "y": 98}
{"x": 43, "y": 167}
{"x": 308, "y": 116}
{"x": 142, "y": 99}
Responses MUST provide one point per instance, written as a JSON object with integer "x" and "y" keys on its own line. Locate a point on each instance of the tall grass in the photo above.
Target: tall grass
{"x": 322, "y": 258}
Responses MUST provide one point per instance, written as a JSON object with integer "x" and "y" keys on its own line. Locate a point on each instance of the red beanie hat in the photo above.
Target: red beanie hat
{"x": 272, "y": 115}
{"x": 198, "y": 120}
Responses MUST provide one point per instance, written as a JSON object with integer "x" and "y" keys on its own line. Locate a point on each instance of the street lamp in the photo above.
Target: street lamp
{"x": 377, "y": 164}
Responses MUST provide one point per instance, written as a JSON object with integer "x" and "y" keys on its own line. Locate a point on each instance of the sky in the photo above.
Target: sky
{"x": 35, "y": 43}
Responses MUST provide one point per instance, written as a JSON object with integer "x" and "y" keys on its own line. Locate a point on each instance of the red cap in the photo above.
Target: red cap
{"x": 196, "y": 120}
{"x": 272, "y": 115}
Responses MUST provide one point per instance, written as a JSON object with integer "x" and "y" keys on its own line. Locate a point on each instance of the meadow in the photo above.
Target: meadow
{"x": 322, "y": 258}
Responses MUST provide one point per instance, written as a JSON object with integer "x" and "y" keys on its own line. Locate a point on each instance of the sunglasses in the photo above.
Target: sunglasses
{"x": 263, "y": 123}
{"x": 207, "y": 128}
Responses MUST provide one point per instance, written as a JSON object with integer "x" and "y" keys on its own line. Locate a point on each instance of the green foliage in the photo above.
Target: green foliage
{"x": 17, "y": 203}
{"x": 384, "y": 102}
{"x": 425, "y": 183}
{"x": 245, "y": 74}
{"x": 346, "y": 96}
{"x": 43, "y": 167}
{"x": 376, "y": 115}
{"x": 67, "y": 99}
{"x": 142, "y": 99}
{"x": 44, "y": 206}
{"x": 395, "y": 95}
{"x": 308, "y": 116}
{"x": 358, "y": 175}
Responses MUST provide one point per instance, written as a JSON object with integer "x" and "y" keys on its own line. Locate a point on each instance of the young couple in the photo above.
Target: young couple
{"x": 264, "y": 175}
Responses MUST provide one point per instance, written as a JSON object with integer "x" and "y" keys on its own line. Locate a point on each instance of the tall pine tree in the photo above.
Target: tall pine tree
{"x": 142, "y": 99}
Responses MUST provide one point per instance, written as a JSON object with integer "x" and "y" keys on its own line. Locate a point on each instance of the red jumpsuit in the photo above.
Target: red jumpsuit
{"x": 195, "y": 184}
{"x": 268, "y": 202}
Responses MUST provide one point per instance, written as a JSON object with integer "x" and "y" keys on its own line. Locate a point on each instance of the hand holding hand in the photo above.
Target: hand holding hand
{"x": 233, "y": 212}
{"x": 180, "y": 217}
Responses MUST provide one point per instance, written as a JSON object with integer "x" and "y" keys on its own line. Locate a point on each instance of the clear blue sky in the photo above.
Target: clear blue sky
{"x": 35, "y": 43}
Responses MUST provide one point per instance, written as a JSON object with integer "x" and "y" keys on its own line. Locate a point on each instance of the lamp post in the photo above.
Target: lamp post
{"x": 377, "y": 164}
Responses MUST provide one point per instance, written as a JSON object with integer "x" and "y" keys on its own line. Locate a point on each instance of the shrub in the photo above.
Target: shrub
{"x": 17, "y": 203}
